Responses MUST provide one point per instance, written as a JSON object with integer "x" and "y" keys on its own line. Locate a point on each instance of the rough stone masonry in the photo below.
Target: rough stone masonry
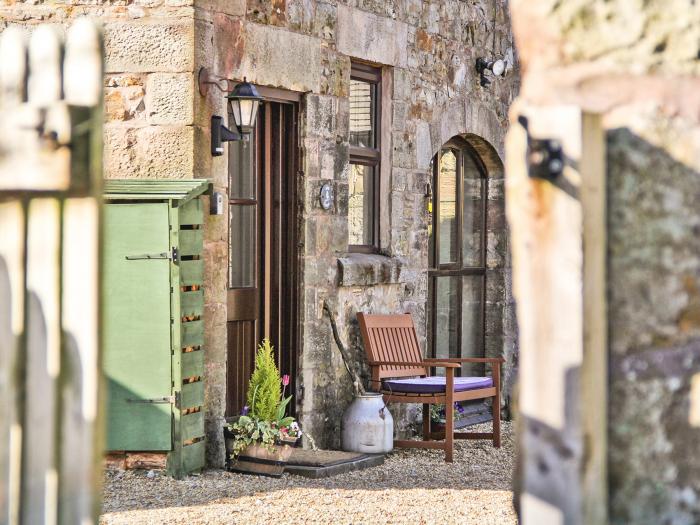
{"x": 157, "y": 126}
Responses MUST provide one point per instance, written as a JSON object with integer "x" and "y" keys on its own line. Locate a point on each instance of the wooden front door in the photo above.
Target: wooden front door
{"x": 262, "y": 266}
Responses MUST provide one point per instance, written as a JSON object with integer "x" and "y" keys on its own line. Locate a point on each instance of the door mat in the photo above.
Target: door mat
{"x": 326, "y": 463}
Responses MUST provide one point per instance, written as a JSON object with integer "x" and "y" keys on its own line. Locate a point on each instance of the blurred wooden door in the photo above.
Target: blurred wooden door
{"x": 262, "y": 268}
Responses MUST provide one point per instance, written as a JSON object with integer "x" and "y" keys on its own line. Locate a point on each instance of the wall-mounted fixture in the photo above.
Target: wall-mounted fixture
{"x": 325, "y": 196}
{"x": 484, "y": 65}
{"x": 243, "y": 100}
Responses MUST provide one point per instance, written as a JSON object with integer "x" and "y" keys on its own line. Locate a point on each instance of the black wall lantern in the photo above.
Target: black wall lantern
{"x": 243, "y": 100}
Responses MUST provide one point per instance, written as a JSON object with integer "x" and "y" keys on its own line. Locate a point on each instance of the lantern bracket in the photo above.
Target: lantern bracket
{"x": 221, "y": 134}
{"x": 206, "y": 79}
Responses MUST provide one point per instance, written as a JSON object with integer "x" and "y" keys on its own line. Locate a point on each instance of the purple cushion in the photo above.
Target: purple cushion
{"x": 435, "y": 384}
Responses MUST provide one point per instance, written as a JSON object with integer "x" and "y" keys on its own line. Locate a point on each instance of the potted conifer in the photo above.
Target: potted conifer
{"x": 260, "y": 440}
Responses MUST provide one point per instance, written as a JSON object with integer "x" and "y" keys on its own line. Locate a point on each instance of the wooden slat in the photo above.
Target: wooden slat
{"x": 11, "y": 326}
{"x": 172, "y": 189}
{"x": 193, "y": 457}
{"x": 192, "y": 303}
{"x": 192, "y": 426}
{"x": 193, "y": 363}
{"x": 191, "y": 273}
{"x": 43, "y": 362}
{"x": 192, "y": 334}
{"x": 192, "y": 213}
{"x": 192, "y": 395}
{"x": 191, "y": 242}
{"x": 81, "y": 367}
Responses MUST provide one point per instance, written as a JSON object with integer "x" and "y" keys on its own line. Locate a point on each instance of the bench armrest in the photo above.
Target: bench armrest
{"x": 432, "y": 360}
{"x": 413, "y": 364}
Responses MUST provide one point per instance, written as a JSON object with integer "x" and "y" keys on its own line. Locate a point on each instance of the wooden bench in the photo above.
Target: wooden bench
{"x": 402, "y": 375}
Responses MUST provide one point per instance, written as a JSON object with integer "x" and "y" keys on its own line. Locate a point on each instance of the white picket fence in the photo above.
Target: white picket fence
{"x": 50, "y": 173}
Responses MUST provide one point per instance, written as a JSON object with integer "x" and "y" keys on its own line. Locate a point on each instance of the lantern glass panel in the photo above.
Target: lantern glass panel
{"x": 249, "y": 109}
{"x": 236, "y": 111}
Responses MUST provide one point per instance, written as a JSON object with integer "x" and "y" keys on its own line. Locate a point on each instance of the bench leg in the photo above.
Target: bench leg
{"x": 496, "y": 409}
{"x": 426, "y": 422}
{"x": 449, "y": 416}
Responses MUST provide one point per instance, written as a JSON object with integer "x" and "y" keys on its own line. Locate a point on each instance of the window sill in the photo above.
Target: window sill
{"x": 364, "y": 269}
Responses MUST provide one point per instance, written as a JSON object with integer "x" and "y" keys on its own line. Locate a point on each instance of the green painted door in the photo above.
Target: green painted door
{"x": 137, "y": 353}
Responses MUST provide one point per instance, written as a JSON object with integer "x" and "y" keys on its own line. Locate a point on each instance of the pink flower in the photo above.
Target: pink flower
{"x": 285, "y": 379}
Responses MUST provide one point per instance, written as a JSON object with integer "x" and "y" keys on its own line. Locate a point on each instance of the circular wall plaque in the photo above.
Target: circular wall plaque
{"x": 326, "y": 196}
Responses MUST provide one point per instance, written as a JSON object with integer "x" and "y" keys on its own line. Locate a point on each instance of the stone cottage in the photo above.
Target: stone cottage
{"x": 375, "y": 105}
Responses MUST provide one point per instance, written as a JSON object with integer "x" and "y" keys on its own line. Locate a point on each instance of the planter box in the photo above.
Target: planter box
{"x": 257, "y": 459}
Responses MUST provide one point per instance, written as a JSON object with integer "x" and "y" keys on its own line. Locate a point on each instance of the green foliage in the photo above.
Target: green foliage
{"x": 263, "y": 421}
{"x": 250, "y": 430}
{"x": 264, "y": 389}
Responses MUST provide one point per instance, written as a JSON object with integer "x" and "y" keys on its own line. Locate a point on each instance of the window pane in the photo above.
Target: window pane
{"x": 242, "y": 245}
{"x": 472, "y": 213}
{"x": 447, "y": 192}
{"x": 472, "y": 321}
{"x": 361, "y": 205}
{"x": 362, "y": 111}
{"x": 241, "y": 162}
{"x": 447, "y": 316}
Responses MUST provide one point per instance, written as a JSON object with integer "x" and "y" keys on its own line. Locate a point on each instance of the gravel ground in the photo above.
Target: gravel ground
{"x": 413, "y": 486}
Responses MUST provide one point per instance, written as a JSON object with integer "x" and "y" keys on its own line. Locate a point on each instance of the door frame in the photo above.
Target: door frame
{"x": 278, "y": 205}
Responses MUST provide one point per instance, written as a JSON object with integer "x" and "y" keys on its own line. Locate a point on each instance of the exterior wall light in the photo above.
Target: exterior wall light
{"x": 496, "y": 67}
{"x": 243, "y": 101}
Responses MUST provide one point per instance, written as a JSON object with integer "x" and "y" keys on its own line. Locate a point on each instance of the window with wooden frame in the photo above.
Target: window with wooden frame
{"x": 457, "y": 256}
{"x": 363, "y": 201}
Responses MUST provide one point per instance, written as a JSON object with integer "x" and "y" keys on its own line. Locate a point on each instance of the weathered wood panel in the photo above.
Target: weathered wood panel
{"x": 558, "y": 243}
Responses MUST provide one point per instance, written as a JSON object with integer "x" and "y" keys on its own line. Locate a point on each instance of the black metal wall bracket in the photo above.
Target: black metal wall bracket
{"x": 545, "y": 158}
{"x": 221, "y": 134}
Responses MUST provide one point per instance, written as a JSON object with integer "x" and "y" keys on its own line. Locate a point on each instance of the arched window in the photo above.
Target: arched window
{"x": 457, "y": 274}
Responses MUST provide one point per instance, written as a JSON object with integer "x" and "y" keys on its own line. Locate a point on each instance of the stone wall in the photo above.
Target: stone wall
{"x": 431, "y": 93}
{"x": 636, "y": 64}
{"x": 157, "y": 125}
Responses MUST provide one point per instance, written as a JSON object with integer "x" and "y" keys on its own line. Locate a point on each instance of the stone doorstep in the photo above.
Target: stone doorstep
{"x": 332, "y": 467}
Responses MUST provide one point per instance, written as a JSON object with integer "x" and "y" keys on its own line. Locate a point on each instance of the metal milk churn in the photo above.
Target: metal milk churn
{"x": 368, "y": 426}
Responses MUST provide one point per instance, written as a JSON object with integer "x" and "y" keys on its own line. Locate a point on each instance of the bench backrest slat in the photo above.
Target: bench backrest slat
{"x": 391, "y": 337}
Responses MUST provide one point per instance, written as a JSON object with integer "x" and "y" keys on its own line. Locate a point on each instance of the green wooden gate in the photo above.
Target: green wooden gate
{"x": 153, "y": 355}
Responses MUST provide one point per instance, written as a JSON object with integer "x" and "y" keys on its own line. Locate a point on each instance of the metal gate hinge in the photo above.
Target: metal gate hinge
{"x": 545, "y": 158}
{"x": 155, "y": 400}
{"x": 175, "y": 255}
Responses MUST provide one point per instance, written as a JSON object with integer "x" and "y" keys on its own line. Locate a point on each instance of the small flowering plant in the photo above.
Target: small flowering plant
{"x": 437, "y": 412}
{"x": 263, "y": 420}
